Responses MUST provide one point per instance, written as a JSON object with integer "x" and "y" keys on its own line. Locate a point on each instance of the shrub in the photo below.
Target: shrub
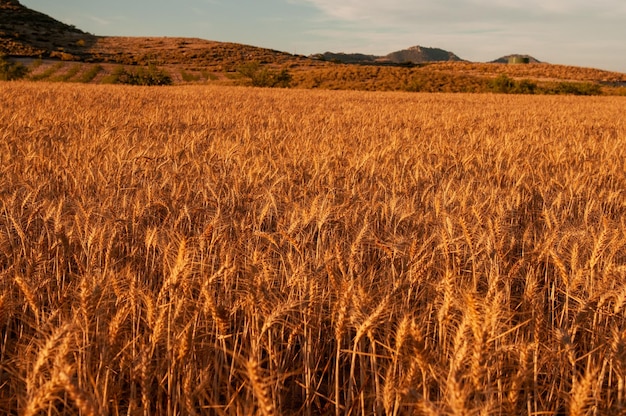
{"x": 416, "y": 85}
{"x": 525, "y": 86}
{"x": 263, "y": 77}
{"x": 209, "y": 76}
{"x": 11, "y": 70}
{"x": 152, "y": 75}
{"x": 577, "y": 88}
{"x": 502, "y": 84}
{"x": 282, "y": 79}
{"x": 114, "y": 76}
{"x": 188, "y": 77}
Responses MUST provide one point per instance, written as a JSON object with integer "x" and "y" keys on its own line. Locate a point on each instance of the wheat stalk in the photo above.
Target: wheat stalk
{"x": 225, "y": 250}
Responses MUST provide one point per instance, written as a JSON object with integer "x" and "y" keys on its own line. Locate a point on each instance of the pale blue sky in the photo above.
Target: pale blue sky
{"x": 575, "y": 32}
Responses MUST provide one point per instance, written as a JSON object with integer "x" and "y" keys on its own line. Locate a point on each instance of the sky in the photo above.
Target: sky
{"x": 588, "y": 33}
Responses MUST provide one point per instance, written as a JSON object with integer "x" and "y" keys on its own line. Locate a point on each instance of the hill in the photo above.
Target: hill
{"x": 26, "y": 32}
{"x": 421, "y": 54}
{"x": 415, "y": 55}
{"x": 190, "y": 52}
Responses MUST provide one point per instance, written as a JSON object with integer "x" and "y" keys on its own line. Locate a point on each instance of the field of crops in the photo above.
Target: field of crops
{"x": 217, "y": 250}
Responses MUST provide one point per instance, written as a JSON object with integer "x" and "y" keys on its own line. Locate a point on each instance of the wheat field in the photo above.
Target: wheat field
{"x": 216, "y": 250}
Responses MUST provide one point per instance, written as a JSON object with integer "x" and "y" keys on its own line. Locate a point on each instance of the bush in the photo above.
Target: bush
{"x": 144, "y": 76}
{"x": 11, "y": 70}
{"x": 263, "y": 77}
{"x": 576, "y": 88}
{"x": 188, "y": 77}
{"x": 416, "y": 85}
{"x": 209, "y": 76}
{"x": 114, "y": 76}
{"x": 525, "y": 86}
{"x": 502, "y": 84}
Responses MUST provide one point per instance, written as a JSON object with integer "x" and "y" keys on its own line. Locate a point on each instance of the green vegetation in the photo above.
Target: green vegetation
{"x": 151, "y": 75}
{"x": 260, "y": 76}
{"x": 114, "y": 76}
{"x": 188, "y": 77}
{"x": 209, "y": 76}
{"x": 48, "y": 72}
{"x": 575, "y": 88}
{"x": 11, "y": 70}
{"x": 75, "y": 69}
{"x": 503, "y": 84}
{"x": 525, "y": 86}
{"x": 90, "y": 74}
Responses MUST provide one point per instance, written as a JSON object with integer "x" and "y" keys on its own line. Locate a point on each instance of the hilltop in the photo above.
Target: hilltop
{"x": 421, "y": 54}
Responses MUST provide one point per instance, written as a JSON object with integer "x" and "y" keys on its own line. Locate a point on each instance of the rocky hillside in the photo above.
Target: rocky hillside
{"x": 190, "y": 52}
{"x": 26, "y": 32}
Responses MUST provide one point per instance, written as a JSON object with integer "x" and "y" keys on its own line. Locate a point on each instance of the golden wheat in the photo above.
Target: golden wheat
{"x": 218, "y": 250}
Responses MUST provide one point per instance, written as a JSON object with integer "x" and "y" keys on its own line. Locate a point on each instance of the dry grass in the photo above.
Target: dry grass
{"x": 538, "y": 72}
{"x": 198, "y": 250}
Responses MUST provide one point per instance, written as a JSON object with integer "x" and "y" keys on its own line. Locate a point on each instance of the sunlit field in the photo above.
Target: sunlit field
{"x": 221, "y": 250}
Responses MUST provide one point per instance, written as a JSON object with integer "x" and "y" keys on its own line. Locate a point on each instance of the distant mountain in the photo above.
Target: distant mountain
{"x": 26, "y": 32}
{"x": 414, "y": 54}
{"x": 421, "y": 54}
{"x": 505, "y": 59}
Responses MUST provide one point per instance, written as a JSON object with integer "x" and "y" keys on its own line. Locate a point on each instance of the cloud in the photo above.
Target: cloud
{"x": 401, "y": 12}
{"x": 99, "y": 20}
